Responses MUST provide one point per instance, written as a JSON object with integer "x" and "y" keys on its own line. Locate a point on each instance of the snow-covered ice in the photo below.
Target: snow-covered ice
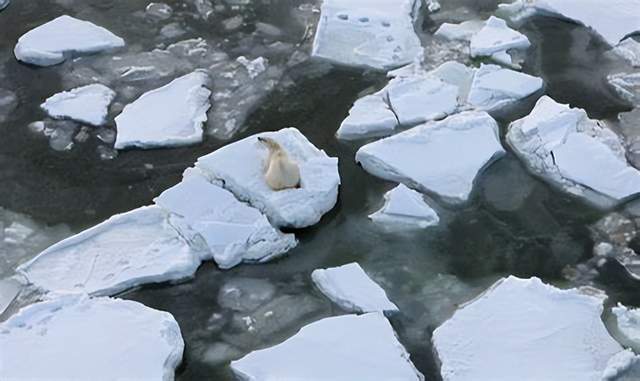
{"x": 233, "y": 231}
{"x": 577, "y": 154}
{"x": 494, "y": 87}
{"x": 415, "y": 96}
{"x": 613, "y": 19}
{"x": 491, "y": 38}
{"x": 629, "y": 49}
{"x": 89, "y": 104}
{"x": 370, "y": 116}
{"x": 405, "y": 207}
{"x": 342, "y": 348}
{"x": 240, "y": 168}
{"x": 443, "y": 158}
{"x": 628, "y": 322}
{"x": 378, "y": 34}
{"x": 81, "y": 338}
{"x": 127, "y": 250}
{"x": 350, "y": 287}
{"x": 526, "y": 330}
{"x": 62, "y": 38}
{"x": 169, "y": 116}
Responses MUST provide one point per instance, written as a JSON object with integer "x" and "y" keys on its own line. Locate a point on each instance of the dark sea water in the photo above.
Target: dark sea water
{"x": 514, "y": 223}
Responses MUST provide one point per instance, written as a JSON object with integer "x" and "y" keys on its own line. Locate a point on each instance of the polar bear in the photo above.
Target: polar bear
{"x": 281, "y": 171}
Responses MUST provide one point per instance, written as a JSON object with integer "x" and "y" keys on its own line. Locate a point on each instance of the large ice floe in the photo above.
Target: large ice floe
{"x": 240, "y": 168}
{"x": 378, "y": 34}
{"x": 351, "y": 288}
{"x": 233, "y": 231}
{"x": 442, "y": 158}
{"x": 169, "y": 116}
{"x": 415, "y": 96}
{"x": 405, "y": 207}
{"x": 613, "y": 20}
{"x": 492, "y": 38}
{"x": 62, "y": 38}
{"x": 526, "y": 330}
{"x": 80, "y": 338}
{"x": 577, "y": 154}
{"x": 89, "y": 104}
{"x": 125, "y": 251}
{"x": 343, "y": 348}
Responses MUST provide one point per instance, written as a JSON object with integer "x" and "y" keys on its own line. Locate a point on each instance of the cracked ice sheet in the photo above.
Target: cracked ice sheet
{"x": 52, "y": 43}
{"x": 577, "y": 154}
{"x": 364, "y": 33}
{"x": 443, "y": 158}
{"x": 233, "y": 231}
{"x": 75, "y": 337}
{"x": 88, "y": 104}
{"x": 414, "y": 96}
{"x": 169, "y": 116}
{"x": 240, "y": 166}
{"x": 526, "y": 323}
{"x": 351, "y": 288}
{"x": 125, "y": 251}
{"x": 342, "y": 348}
{"x": 612, "y": 19}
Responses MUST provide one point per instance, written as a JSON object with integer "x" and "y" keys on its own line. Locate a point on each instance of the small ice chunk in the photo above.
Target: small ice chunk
{"x": 494, "y": 87}
{"x": 404, "y": 206}
{"x": 369, "y": 117}
{"x": 240, "y": 166}
{"x": 254, "y": 67}
{"x": 125, "y": 251}
{"x": 169, "y": 116}
{"x": 362, "y": 33}
{"x": 628, "y": 320}
{"x": 4, "y": 4}
{"x": 613, "y": 19}
{"x": 81, "y": 338}
{"x": 89, "y": 104}
{"x": 160, "y": 11}
{"x": 442, "y": 157}
{"x": 577, "y": 154}
{"x": 350, "y": 287}
{"x": 496, "y": 37}
{"x": 64, "y": 37}
{"x": 234, "y": 232}
{"x": 519, "y": 324}
{"x": 629, "y": 49}
{"x": 463, "y": 31}
{"x": 342, "y": 348}
{"x": 420, "y": 99}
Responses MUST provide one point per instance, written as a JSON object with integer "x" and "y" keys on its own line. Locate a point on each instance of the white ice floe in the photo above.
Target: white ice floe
{"x": 240, "y": 167}
{"x": 492, "y": 38}
{"x": 89, "y": 104}
{"x": 629, "y": 49}
{"x": 342, "y": 348}
{"x": 61, "y": 38}
{"x": 169, "y": 116}
{"x": 370, "y": 116}
{"x": 127, "y": 250}
{"x": 494, "y": 87}
{"x": 414, "y": 96}
{"x": 519, "y": 324}
{"x": 351, "y": 288}
{"x": 80, "y": 338}
{"x": 406, "y": 207}
{"x": 577, "y": 154}
{"x": 378, "y": 34}
{"x": 442, "y": 158}
{"x": 233, "y": 231}
{"x": 628, "y": 321}
{"x": 613, "y": 19}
